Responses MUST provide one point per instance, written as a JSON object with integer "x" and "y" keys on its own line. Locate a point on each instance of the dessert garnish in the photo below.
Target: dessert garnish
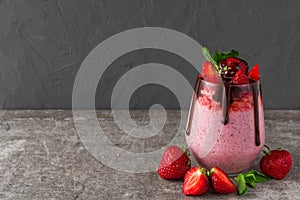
{"x": 209, "y": 73}
{"x": 254, "y": 73}
{"x": 227, "y": 65}
{"x": 240, "y": 78}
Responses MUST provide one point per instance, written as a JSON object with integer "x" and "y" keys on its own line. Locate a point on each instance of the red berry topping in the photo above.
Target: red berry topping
{"x": 195, "y": 182}
{"x": 230, "y": 66}
{"x": 237, "y": 62}
{"x": 220, "y": 181}
{"x": 240, "y": 78}
{"x": 254, "y": 73}
{"x": 174, "y": 163}
{"x": 209, "y": 73}
{"x": 276, "y": 163}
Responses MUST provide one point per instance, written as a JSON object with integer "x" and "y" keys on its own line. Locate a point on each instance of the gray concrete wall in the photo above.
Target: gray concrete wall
{"x": 43, "y": 43}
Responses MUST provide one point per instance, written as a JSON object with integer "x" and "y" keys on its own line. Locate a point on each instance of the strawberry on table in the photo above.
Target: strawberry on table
{"x": 174, "y": 164}
{"x": 195, "y": 182}
{"x": 240, "y": 78}
{"x": 220, "y": 181}
{"x": 276, "y": 163}
{"x": 254, "y": 73}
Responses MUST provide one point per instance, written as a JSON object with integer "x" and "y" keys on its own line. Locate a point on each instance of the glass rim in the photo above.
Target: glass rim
{"x": 222, "y": 83}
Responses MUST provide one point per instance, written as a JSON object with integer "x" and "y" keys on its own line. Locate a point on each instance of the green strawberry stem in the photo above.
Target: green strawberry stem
{"x": 203, "y": 170}
{"x": 186, "y": 152}
{"x": 208, "y": 56}
{"x": 268, "y": 151}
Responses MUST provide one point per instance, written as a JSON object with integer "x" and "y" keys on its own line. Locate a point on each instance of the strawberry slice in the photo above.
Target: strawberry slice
{"x": 254, "y": 73}
{"x": 209, "y": 73}
{"x": 240, "y": 78}
{"x": 195, "y": 182}
{"x": 208, "y": 69}
{"x": 221, "y": 183}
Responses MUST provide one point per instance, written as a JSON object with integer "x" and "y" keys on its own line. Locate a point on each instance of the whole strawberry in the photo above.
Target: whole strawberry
{"x": 276, "y": 163}
{"x": 195, "y": 181}
{"x": 220, "y": 181}
{"x": 174, "y": 164}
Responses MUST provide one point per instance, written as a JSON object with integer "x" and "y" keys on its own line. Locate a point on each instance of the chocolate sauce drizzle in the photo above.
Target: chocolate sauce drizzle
{"x": 256, "y": 113}
{"x": 196, "y": 93}
{"x": 227, "y": 99}
{"x": 226, "y": 103}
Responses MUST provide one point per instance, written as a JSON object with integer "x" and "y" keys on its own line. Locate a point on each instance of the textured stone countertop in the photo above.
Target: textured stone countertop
{"x": 42, "y": 157}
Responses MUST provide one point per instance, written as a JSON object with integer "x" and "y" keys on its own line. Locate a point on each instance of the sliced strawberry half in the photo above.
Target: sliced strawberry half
{"x": 209, "y": 73}
{"x": 254, "y": 73}
{"x": 240, "y": 78}
{"x": 220, "y": 181}
{"x": 195, "y": 182}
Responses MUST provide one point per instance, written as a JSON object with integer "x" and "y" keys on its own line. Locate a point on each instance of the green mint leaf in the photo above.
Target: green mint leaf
{"x": 250, "y": 180}
{"x": 258, "y": 176}
{"x": 251, "y": 184}
{"x": 242, "y": 187}
{"x": 207, "y": 55}
{"x": 222, "y": 55}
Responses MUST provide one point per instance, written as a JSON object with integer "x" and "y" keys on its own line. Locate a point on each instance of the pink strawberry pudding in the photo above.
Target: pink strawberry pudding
{"x": 232, "y": 146}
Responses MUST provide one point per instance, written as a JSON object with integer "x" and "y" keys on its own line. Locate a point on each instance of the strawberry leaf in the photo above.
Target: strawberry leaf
{"x": 222, "y": 55}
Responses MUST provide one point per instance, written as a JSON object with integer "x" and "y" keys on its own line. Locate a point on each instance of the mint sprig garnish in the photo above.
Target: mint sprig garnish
{"x": 249, "y": 179}
{"x": 207, "y": 55}
{"x": 218, "y": 56}
{"x": 222, "y": 55}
